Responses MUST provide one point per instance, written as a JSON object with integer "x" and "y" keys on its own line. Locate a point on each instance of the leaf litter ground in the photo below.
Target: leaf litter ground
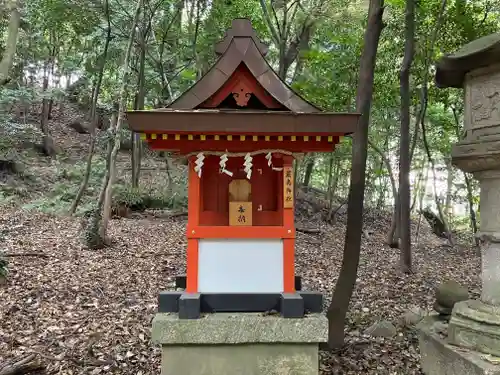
{"x": 90, "y": 312}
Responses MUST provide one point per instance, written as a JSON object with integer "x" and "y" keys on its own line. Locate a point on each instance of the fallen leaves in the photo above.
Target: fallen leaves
{"x": 90, "y": 312}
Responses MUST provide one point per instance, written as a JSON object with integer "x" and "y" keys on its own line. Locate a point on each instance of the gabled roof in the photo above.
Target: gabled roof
{"x": 242, "y": 46}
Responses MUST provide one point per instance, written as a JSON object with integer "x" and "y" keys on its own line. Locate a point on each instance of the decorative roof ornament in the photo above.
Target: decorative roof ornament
{"x": 240, "y": 28}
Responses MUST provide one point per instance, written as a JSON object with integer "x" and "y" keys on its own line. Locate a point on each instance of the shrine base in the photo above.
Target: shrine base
{"x": 239, "y": 343}
{"x": 438, "y": 357}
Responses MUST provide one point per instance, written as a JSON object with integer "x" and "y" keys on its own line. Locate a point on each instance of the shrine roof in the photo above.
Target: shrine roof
{"x": 242, "y": 45}
{"x": 206, "y": 121}
{"x": 242, "y": 55}
{"x": 480, "y": 53}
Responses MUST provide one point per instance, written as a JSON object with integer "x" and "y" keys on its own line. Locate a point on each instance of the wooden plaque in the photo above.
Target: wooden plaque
{"x": 240, "y": 191}
{"x": 240, "y": 213}
{"x": 288, "y": 193}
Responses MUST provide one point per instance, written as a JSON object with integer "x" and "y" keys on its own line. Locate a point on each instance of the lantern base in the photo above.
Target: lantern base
{"x": 192, "y": 305}
{"x": 439, "y": 357}
{"x": 243, "y": 344}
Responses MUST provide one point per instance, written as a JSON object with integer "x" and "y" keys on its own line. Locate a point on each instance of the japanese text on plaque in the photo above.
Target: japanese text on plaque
{"x": 288, "y": 187}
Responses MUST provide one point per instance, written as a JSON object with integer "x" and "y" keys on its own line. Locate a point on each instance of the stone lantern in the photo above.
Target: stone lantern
{"x": 472, "y": 338}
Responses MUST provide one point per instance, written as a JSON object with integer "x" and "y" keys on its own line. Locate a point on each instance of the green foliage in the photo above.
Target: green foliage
{"x": 14, "y": 131}
{"x": 139, "y": 199}
{"x": 64, "y": 191}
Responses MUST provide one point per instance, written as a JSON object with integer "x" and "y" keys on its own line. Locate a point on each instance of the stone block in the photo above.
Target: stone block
{"x": 476, "y": 325}
{"x": 168, "y": 301}
{"x": 238, "y": 328}
{"x": 239, "y": 343}
{"x": 440, "y": 358}
{"x": 189, "y": 306}
{"x": 292, "y": 305}
{"x": 253, "y": 359}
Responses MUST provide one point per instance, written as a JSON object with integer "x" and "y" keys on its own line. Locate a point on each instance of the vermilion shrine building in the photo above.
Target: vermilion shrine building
{"x": 240, "y": 126}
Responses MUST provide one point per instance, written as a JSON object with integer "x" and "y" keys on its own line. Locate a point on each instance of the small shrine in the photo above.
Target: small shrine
{"x": 240, "y": 126}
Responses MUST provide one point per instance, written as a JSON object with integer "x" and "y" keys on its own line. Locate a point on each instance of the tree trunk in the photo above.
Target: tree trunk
{"x": 392, "y": 240}
{"x": 109, "y": 149}
{"x": 394, "y": 231}
{"x": 329, "y": 191}
{"x": 434, "y": 178}
{"x": 448, "y": 206}
{"x": 11, "y": 43}
{"x": 93, "y": 115}
{"x": 417, "y": 188}
{"x": 347, "y": 278}
{"x": 472, "y": 211}
{"x": 54, "y": 52}
{"x": 106, "y": 214}
{"x": 404, "y": 148}
{"x": 380, "y": 202}
{"x": 47, "y": 141}
{"x": 309, "y": 170}
{"x": 422, "y": 194}
{"x": 468, "y": 185}
{"x": 136, "y": 142}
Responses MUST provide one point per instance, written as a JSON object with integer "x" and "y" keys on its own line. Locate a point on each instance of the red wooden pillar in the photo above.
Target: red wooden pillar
{"x": 288, "y": 243}
{"x": 194, "y": 197}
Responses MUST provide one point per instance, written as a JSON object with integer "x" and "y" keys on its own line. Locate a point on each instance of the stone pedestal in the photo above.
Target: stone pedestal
{"x": 441, "y": 358}
{"x": 474, "y": 327}
{"x": 242, "y": 343}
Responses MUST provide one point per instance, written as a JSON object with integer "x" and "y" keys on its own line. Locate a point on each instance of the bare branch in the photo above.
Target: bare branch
{"x": 269, "y": 23}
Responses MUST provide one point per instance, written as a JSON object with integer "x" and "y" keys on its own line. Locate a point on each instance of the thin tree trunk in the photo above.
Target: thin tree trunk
{"x": 448, "y": 209}
{"x": 468, "y": 185}
{"x": 391, "y": 240}
{"x": 309, "y": 170}
{"x": 335, "y": 182}
{"x": 382, "y": 180}
{"x": 88, "y": 169}
{"x": 388, "y": 166}
{"x": 434, "y": 178}
{"x": 54, "y": 53}
{"x": 347, "y": 278}
{"x": 404, "y": 149}
{"x": 417, "y": 188}
{"x": 47, "y": 141}
{"x": 93, "y": 115}
{"x": 136, "y": 142}
{"x": 109, "y": 148}
{"x": 330, "y": 178}
{"x": 106, "y": 214}
{"x": 136, "y": 154}
{"x": 11, "y": 43}
{"x": 472, "y": 211}
{"x": 421, "y": 203}
{"x": 394, "y": 231}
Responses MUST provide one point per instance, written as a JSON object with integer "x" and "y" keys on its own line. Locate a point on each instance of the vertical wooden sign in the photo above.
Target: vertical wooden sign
{"x": 288, "y": 187}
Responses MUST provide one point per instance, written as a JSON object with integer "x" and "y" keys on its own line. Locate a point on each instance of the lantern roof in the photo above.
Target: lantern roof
{"x": 452, "y": 69}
